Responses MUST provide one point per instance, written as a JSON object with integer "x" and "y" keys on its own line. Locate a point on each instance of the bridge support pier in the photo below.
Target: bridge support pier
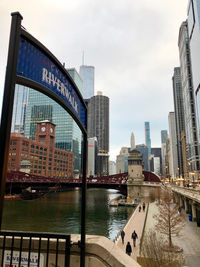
{"x": 186, "y": 205}
{"x": 194, "y": 212}
{"x": 181, "y": 202}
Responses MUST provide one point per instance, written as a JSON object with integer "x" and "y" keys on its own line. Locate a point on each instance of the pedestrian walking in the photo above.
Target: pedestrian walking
{"x": 139, "y": 208}
{"x": 122, "y": 236}
{"x": 134, "y": 236}
{"x": 128, "y": 249}
{"x": 143, "y": 206}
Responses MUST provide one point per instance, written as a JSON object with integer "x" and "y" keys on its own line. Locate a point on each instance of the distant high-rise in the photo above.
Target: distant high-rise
{"x": 19, "y": 109}
{"x": 144, "y": 152}
{"x": 112, "y": 167}
{"x": 173, "y": 163}
{"x": 98, "y": 126}
{"x": 163, "y": 150}
{"x": 122, "y": 160}
{"x": 179, "y": 114}
{"x": 147, "y": 136}
{"x": 132, "y": 141}
{"x": 191, "y": 132}
{"x": 156, "y": 159}
{"x": 87, "y": 75}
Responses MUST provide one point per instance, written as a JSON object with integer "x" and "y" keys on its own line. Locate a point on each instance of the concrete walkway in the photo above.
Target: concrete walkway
{"x": 189, "y": 239}
{"x": 136, "y": 222}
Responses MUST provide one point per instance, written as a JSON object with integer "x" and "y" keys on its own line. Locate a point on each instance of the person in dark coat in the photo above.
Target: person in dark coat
{"x": 143, "y": 206}
{"x": 134, "y": 236}
{"x": 139, "y": 208}
{"x": 128, "y": 249}
{"x": 122, "y": 236}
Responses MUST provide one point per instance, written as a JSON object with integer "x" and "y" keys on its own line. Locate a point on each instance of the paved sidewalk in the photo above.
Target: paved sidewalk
{"x": 189, "y": 239}
{"x": 136, "y": 222}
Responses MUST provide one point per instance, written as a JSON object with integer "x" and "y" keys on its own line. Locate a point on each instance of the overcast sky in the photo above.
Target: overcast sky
{"x": 131, "y": 43}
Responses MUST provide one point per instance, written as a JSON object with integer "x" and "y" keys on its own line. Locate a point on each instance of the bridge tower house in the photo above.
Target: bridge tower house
{"x": 135, "y": 175}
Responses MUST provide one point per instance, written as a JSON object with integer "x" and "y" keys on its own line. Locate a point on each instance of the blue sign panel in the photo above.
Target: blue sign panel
{"x": 34, "y": 64}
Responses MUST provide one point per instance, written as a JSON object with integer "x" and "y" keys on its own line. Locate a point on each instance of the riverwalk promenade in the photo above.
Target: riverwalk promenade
{"x": 136, "y": 222}
{"x": 189, "y": 239}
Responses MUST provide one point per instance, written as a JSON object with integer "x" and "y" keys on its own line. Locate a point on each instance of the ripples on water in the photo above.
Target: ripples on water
{"x": 60, "y": 212}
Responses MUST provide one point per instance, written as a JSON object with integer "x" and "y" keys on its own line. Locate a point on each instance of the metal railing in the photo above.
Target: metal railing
{"x": 34, "y": 249}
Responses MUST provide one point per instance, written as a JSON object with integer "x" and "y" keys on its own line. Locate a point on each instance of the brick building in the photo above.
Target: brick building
{"x": 43, "y": 157}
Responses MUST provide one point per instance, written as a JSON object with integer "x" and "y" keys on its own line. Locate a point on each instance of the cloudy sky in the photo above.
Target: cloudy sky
{"x": 131, "y": 43}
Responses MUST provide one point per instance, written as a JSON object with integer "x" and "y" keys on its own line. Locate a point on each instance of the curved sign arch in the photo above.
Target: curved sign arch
{"x": 31, "y": 64}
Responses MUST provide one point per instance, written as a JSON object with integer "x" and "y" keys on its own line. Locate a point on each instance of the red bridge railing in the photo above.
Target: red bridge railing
{"x": 21, "y": 177}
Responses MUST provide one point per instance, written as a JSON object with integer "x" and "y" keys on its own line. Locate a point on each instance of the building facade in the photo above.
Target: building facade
{"x": 191, "y": 133}
{"x": 179, "y": 115}
{"x": 98, "y": 126}
{"x": 87, "y": 76}
{"x": 43, "y": 157}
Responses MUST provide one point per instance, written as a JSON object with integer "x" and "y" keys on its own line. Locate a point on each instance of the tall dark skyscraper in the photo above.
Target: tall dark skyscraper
{"x": 98, "y": 126}
{"x": 179, "y": 115}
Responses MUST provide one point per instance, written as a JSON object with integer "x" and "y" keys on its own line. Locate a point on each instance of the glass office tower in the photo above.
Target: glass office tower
{"x": 19, "y": 109}
{"x": 87, "y": 76}
{"x": 67, "y": 137}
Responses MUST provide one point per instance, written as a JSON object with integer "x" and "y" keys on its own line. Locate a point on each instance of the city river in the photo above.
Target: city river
{"x": 60, "y": 212}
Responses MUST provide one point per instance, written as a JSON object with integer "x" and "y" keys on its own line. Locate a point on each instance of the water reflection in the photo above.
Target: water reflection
{"x": 60, "y": 212}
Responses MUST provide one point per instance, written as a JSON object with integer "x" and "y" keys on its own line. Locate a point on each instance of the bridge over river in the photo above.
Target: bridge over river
{"x": 16, "y": 181}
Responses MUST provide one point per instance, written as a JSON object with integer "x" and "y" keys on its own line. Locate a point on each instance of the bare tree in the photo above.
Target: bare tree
{"x": 153, "y": 255}
{"x": 169, "y": 221}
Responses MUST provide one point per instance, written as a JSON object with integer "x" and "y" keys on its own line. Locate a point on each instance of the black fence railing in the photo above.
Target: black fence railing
{"x": 29, "y": 249}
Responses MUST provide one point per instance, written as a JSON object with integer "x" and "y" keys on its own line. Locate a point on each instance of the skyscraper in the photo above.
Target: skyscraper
{"x": 144, "y": 152}
{"x": 179, "y": 115}
{"x": 157, "y": 161}
{"x": 132, "y": 141}
{"x": 173, "y": 163}
{"x": 122, "y": 160}
{"x": 147, "y": 136}
{"x": 192, "y": 154}
{"x": 19, "y": 109}
{"x": 194, "y": 37}
{"x": 87, "y": 75}
{"x": 163, "y": 150}
{"x": 98, "y": 126}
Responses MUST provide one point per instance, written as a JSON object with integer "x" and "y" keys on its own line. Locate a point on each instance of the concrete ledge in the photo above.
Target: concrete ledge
{"x": 100, "y": 251}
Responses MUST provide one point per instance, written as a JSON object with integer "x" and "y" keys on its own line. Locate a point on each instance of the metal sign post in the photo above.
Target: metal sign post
{"x": 7, "y": 107}
{"x": 31, "y": 64}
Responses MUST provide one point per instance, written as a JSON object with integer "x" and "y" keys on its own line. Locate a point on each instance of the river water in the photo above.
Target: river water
{"x": 61, "y": 212}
